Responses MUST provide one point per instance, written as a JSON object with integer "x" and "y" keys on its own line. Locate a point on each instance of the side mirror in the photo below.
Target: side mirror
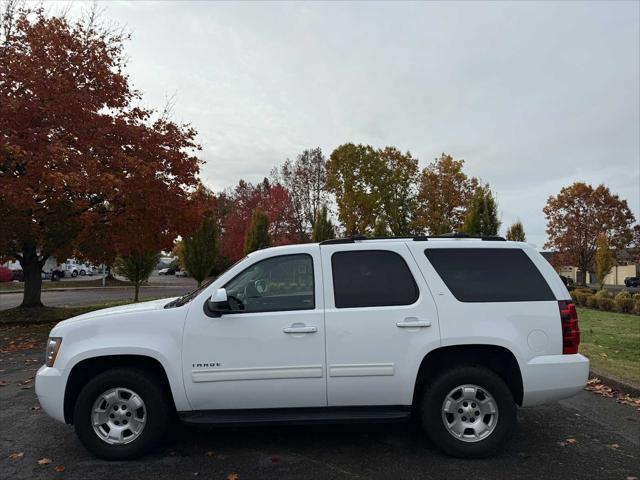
{"x": 219, "y": 296}
{"x": 218, "y": 303}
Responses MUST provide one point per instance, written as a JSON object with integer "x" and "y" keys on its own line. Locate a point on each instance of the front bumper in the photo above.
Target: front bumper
{"x": 552, "y": 377}
{"x": 50, "y": 386}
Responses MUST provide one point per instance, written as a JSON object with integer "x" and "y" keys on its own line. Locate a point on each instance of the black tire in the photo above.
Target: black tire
{"x": 149, "y": 387}
{"x": 437, "y": 390}
{"x": 74, "y": 273}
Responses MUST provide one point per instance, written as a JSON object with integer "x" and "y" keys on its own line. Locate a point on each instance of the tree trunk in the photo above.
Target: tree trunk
{"x": 32, "y": 269}
{"x": 137, "y": 290}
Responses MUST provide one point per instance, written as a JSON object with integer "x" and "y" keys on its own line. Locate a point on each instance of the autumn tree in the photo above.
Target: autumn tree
{"x": 305, "y": 182}
{"x": 482, "y": 213}
{"x": 604, "y": 259}
{"x": 136, "y": 267}
{"x": 351, "y": 170}
{"x": 236, "y": 206}
{"x": 323, "y": 228}
{"x": 578, "y": 215}
{"x": 370, "y": 184}
{"x": 515, "y": 232}
{"x": 396, "y": 186}
{"x": 84, "y": 169}
{"x": 444, "y": 193}
{"x": 257, "y": 236}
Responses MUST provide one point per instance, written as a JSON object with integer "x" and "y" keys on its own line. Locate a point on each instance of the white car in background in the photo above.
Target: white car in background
{"x": 73, "y": 268}
{"x": 455, "y": 333}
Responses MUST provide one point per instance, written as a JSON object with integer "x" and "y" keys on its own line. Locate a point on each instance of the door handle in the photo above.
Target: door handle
{"x": 413, "y": 323}
{"x": 300, "y": 329}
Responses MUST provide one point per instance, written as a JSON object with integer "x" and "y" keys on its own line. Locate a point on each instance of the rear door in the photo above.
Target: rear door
{"x": 492, "y": 294}
{"x": 380, "y": 321}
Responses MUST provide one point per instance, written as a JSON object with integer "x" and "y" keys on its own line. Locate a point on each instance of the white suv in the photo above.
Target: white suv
{"x": 456, "y": 332}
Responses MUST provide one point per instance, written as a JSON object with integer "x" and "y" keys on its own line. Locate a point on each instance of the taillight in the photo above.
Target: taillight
{"x": 570, "y": 328}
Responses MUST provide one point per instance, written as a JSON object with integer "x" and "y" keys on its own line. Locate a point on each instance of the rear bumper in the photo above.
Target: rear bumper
{"x": 552, "y": 377}
{"x": 50, "y": 386}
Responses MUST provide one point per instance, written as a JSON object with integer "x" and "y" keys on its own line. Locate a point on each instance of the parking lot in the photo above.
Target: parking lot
{"x": 586, "y": 437}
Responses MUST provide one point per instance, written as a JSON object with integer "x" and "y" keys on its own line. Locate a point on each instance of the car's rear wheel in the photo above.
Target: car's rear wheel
{"x": 121, "y": 413}
{"x": 468, "y": 411}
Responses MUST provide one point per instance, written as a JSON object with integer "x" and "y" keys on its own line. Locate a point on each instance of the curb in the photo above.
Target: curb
{"x": 68, "y": 289}
{"x": 616, "y": 383}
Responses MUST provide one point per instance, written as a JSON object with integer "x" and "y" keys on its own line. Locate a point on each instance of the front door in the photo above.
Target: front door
{"x": 269, "y": 352}
{"x": 381, "y": 321}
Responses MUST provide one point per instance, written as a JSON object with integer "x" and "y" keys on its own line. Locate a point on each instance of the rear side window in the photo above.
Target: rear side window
{"x": 372, "y": 278}
{"x": 489, "y": 274}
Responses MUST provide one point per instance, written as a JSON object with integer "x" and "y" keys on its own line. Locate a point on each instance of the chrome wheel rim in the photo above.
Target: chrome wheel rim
{"x": 470, "y": 413}
{"x": 118, "y": 416}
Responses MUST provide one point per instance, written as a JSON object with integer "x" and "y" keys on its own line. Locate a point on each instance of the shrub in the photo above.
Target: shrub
{"x": 581, "y": 296}
{"x": 574, "y": 296}
{"x": 605, "y": 303}
{"x": 636, "y": 296}
{"x": 636, "y": 308}
{"x": 604, "y": 294}
{"x": 591, "y": 301}
{"x": 624, "y": 303}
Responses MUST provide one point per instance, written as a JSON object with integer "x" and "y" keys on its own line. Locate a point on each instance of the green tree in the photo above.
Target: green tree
{"x": 604, "y": 259}
{"x": 350, "y": 173}
{"x": 257, "y": 235}
{"x": 397, "y": 188}
{"x": 198, "y": 253}
{"x": 370, "y": 184}
{"x": 482, "y": 213}
{"x": 515, "y": 232}
{"x": 136, "y": 268}
{"x": 443, "y": 196}
{"x": 323, "y": 228}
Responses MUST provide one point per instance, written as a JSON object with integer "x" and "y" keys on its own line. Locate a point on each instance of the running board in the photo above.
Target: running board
{"x": 298, "y": 416}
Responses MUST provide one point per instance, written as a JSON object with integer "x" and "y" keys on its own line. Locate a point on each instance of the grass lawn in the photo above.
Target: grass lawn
{"x": 50, "y": 314}
{"x": 612, "y": 343}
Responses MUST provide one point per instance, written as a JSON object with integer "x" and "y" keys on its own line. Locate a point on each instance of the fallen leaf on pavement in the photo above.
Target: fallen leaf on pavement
{"x": 614, "y": 445}
{"x": 571, "y": 440}
{"x": 210, "y": 454}
{"x": 16, "y": 455}
{"x": 44, "y": 461}
{"x": 232, "y": 476}
{"x": 36, "y": 407}
{"x": 3, "y": 383}
{"x": 60, "y": 468}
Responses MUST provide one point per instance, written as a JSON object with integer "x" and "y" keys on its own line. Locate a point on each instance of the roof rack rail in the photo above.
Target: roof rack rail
{"x": 416, "y": 238}
{"x": 354, "y": 238}
{"x": 486, "y": 238}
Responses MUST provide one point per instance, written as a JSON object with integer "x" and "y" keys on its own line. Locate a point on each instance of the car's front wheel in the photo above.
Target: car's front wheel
{"x": 468, "y": 411}
{"x": 121, "y": 414}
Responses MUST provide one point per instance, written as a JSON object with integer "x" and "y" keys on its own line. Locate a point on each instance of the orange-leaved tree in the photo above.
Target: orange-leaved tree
{"x": 84, "y": 169}
{"x": 578, "y": 215}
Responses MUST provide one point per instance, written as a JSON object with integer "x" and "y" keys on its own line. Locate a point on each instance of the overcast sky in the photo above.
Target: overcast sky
{"x": 534, "y": 96}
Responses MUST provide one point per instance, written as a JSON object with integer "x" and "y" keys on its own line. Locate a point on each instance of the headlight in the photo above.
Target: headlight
{"x": 53, "y": 346}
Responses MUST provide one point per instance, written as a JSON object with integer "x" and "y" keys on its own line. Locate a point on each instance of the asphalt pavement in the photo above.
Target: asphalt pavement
{"x": 79, "y": 297}
{"x": 585, "y": 437}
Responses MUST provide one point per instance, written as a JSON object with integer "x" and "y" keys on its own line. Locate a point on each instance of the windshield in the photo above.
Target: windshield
{"x": 178, "y": 302}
